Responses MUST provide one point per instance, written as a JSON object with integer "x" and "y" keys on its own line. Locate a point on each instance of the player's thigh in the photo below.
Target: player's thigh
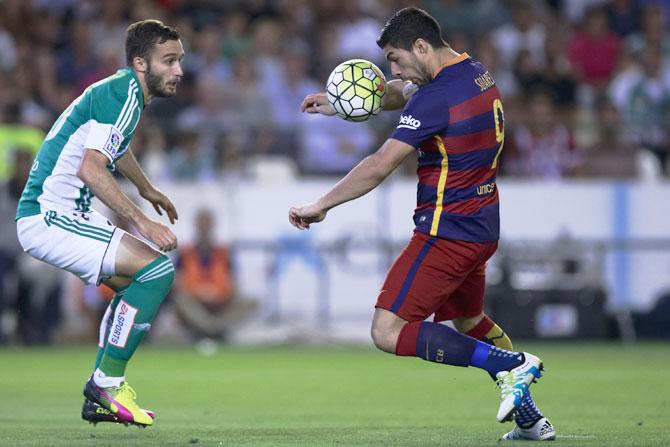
{"x": 132, "y": 255}
{"x": 422, "y": 277}
{"x": 75, "y": 242}
{"x": 465, "y": 305}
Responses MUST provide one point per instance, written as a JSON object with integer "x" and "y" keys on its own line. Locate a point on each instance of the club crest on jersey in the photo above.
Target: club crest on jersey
{"x": 124, "y": 318}
{"x": 408, "y": 122}
{"x": 113, "y": 142}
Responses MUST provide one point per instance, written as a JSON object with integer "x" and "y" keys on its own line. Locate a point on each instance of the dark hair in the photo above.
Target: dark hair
{"x": 409, "y": 24}
{"x": 143, "y": 35}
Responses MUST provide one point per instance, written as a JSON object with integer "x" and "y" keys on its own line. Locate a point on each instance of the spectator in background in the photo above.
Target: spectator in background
{"x": 610, "y": 156}
{"x": 76, "y": 62}
{"x": 557, "y": 77}
{"x": 35, "y": 294}
{"x": 654, "y": 31}
{"x": 542, "y": 147}
{"x": 207, "y": 114}
{"x": 14, "y": 134}
{"x": 267, "y": 46}
{"x": 236, "y": 37}
{"x": 594, "y": 54}
{"x": 524, "y": 33}
{"x": 150, "y": 148}
{"x": 190, "y": 159}
{"x": 208, "y": 58}
{"x": 247, "y": 108}
{"x": 10, "y": 250}
{"x": 205, "y": 296}
{"x": 642, "y": 96}
{"x": 356, "y": 32}
{"x": 624, "y": 16}
{"x": 487, "y": 54}
{"x": 332, "y": 146}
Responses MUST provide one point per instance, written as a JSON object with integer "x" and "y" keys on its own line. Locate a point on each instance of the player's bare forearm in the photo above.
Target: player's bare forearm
{"x": 359, "y": 181}
{"x": 363, "y": 178}
{"x": 131, "y": 169}
{"x": 367, "y": 175}
{"x": 93, "y": 172}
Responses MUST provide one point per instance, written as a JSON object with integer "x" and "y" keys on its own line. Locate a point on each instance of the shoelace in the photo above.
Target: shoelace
{"x": 125, "y": 388}
{"x": 506, "y": 384}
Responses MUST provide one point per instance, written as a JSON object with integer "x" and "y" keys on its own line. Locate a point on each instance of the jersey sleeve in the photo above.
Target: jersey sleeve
{"x": 114, "y": 114}
{"x": 426, "y": 114}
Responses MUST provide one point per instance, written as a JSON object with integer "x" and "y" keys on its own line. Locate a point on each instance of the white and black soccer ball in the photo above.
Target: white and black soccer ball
{"x": 355, "y": 89}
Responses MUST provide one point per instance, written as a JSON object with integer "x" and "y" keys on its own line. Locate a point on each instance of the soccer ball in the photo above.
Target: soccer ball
{"x": 355, "y": 89}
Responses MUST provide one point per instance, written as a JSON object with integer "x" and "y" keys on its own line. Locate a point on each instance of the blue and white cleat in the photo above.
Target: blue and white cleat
{"x": 513, "y": 385}
{"x": 542, "y": 430}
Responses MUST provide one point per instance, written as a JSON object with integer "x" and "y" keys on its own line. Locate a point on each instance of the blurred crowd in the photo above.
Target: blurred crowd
{"x": 586, "y": 83}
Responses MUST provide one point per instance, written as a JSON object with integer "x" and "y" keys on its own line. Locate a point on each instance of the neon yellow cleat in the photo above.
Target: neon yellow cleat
{"x": 120, "y": 401}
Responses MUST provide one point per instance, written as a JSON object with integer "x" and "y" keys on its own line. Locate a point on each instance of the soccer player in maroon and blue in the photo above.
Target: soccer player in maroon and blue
{"x": 453, "y": 118}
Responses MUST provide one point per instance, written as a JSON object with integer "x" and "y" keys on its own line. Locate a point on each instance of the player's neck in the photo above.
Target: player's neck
{"x": 443, "y": 57}
{"x": 145, "y": 90}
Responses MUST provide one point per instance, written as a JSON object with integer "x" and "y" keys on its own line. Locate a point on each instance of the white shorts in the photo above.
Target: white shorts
{"x": 81, "y": 243}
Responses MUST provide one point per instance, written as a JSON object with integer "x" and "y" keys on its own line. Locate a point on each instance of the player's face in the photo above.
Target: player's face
{"x": 406, "y": 65}
{"x": 164, "y": 68}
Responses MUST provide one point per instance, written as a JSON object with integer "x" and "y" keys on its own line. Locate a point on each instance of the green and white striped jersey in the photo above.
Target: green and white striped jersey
{"x": 103, "y": 118}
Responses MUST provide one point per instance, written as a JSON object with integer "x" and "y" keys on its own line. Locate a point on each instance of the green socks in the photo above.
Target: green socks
{"x": 134, "y": 312}
{"x": 106, "y": 324}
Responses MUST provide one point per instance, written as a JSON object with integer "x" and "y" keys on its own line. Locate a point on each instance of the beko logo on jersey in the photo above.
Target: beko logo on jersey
{"x": 408, "y": 122}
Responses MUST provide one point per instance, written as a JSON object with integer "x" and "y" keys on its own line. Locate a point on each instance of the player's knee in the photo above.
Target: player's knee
{"x": 160, "y": 272}
{"x": 384, "y": 338}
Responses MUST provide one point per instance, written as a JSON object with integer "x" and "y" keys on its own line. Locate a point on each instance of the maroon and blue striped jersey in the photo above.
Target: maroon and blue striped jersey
{"x": 456, "y": 124}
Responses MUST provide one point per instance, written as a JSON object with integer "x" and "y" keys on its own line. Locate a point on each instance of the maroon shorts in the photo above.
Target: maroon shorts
{"x": 438, "y": 276}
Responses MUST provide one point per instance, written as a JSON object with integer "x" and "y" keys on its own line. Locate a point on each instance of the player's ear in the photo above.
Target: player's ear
{"x": 421, "y": 46}
{"x": 139, "y": 64}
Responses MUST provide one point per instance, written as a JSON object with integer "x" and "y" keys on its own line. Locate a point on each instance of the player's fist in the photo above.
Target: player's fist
{"x": 317, "y": 103}
{"x": 157, "y": 233}
{"x": 301, "y": 217}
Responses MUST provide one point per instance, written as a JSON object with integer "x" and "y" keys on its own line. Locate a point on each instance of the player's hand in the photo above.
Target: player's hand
{"x": 157, "y": 233}
{"x": 301, "y": 217}
{"x": 317, "y": 103}
{"x": 160, "y": 201}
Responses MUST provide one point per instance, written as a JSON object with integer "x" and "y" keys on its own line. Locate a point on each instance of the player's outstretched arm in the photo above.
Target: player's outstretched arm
{"x": 396, "y": 96}
{"x": 363, "y": 178}
{"x": 131, "y": 169}
{"x": 93, "y": 172}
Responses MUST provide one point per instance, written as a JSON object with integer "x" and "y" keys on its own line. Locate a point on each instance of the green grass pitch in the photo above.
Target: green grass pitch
{"x": 595, "y": 394}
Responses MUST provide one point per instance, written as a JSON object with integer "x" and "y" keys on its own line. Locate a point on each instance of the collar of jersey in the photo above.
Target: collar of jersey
{"x": 460, "y": 58}
{"x": 140, "y": 93}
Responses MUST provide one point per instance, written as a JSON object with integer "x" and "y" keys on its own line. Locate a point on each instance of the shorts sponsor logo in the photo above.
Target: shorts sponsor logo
{"x": 408, "y": 122}
{"x": 113, "y": 142}
{"x": 124, "y": 318}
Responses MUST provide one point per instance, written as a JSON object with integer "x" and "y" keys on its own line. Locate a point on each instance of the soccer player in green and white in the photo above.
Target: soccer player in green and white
{"x": 55, "y": 223}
